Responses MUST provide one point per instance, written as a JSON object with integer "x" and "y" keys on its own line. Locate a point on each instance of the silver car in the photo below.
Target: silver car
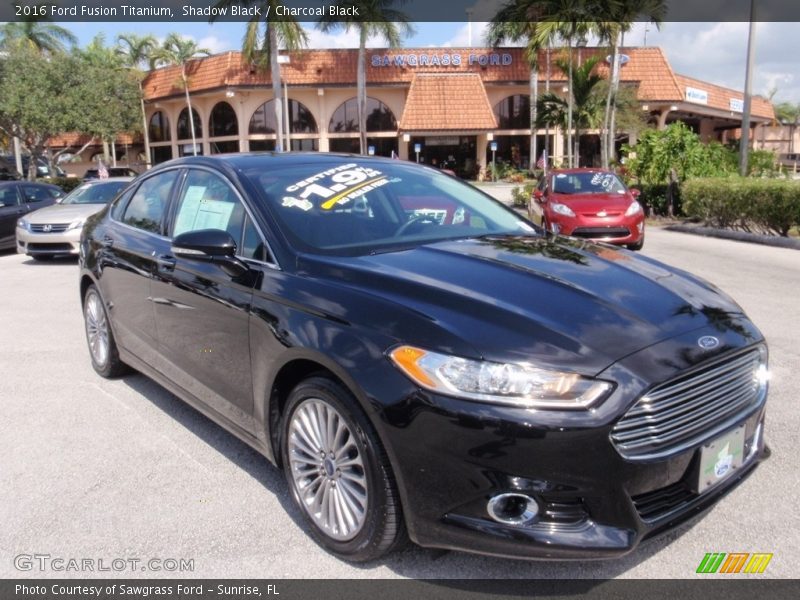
{"x": 56, "y": 230}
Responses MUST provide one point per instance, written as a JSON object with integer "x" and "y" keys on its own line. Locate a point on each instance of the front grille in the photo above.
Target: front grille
{"x": 600, "y": 232}
{"x": 53, "y": 227}
{"x": 658, "y": 504}
{"x": 50, "y": 247}
{"x": 691, "y": 408}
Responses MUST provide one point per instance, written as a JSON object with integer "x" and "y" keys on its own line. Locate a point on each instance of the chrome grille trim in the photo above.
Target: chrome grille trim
{"x": 54, "y": 227}
{"x": 692, "y": 407}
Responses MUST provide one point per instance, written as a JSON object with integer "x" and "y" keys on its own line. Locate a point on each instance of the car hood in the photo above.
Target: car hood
{"x": 553, "y": 301}
{"x": 63, "y": 213}
{"x": 594, "y": 203}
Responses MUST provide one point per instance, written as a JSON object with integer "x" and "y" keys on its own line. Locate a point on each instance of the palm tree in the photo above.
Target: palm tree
{"x": 503, "y": 28}
{"x": 621, "y": 15}
{"x": 375, "y": 18}
{"x": 261, "y": 45}
{"x": 137, "y": 51}
{"x": 585, "y": 99}
{"x": 45, "y": 38}
{"x": 179, "y": 51}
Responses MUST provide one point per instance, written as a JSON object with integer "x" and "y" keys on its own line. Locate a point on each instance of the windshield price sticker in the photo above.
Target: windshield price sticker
{"x": 346, "y": 182}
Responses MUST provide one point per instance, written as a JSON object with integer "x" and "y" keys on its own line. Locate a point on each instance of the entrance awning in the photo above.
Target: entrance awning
{"x": 447, "y": 102}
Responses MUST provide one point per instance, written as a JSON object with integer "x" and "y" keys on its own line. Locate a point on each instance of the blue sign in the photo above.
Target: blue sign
{"x": 417, "y": 148}
{"x": 493, "y": 146}
{"x": 371, "y": 150}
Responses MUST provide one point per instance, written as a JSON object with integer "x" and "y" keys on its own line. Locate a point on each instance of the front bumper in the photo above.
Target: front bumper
{"x": 626, "y": 230}
{"x": 452, "y": 456}
{"x": 52, "y": 244}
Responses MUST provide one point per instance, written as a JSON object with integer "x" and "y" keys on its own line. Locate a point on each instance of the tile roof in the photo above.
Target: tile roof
{"x": 719, "y": 97}
{"x": 447, "y": 102}
{"x": 79, "y": 139}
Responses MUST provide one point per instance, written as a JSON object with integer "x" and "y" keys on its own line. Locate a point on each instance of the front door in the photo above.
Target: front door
{"x": 10, "y": 211}
{"x": 202, "y": 313}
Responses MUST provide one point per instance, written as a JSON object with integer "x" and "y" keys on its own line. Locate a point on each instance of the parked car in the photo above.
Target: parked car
{"x": 8, "y": 165}
{"x": 8, "y": 170}
{"x": 56, "y": 230}
{"x": 419, "y": 359}
{"x": 18, "y": 198}
{"x": 112, "y": 172}
{"x": 589, "y": 203}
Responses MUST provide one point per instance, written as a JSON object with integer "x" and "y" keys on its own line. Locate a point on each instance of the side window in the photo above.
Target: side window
{"x": 119, "y": 206}
{"x": 8, "y": 196}
{"x": 55, "y": 192}
{"x": 252, "y": 245}
{"x": 209, "y": 202}
{"x": 35, "y": 193}
{"x": 146, "y": 208}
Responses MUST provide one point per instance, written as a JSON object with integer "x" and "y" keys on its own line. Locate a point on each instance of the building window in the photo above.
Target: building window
{"x": 297, "y": 145}
{"x": 159, "y": 128}
{"x": 223, "y": 120}
{"x": 221, "y": 147}
{"x": 300, "y": 118}
{"x": 514, "y": 112}
{"x": 379, "y": 117}
{"x": 383, "y": 146}
{"x": 160, "y": 154}
{"x": 184, "y": 130}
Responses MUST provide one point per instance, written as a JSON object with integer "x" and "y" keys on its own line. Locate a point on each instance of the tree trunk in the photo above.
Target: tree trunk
{"x": 189, "y": 106}
{"x": 612, "y": 126}
{"x": 145, "y": 131}
{"x": 570, "y": 102}
{"x": 277, "y": 92}
{"x": 547, "y": 91}
{"x": 361, "y": 81}
{"x": 534, "y": 95}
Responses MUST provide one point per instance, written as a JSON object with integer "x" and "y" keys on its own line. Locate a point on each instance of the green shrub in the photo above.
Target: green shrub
{"x": 521, "y": 195}
{"x": 65, "y": 183}
{"x": 654, "y": 198}
{"x": 770, "y": 206}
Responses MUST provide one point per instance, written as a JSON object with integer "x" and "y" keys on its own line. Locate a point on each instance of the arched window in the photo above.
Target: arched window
{"x": 223, "y": 120}
{"x": 300, "y": 118}
{"x": 379, "y": 117}
{"x": 159, "y": 128}
{"x": 514, "y": 112}
{"x": 184, "y": 131}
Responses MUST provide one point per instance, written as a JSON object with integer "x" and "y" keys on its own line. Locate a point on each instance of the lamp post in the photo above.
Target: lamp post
{"x": 744, "y": 143}
{"x": 285, "y": 59}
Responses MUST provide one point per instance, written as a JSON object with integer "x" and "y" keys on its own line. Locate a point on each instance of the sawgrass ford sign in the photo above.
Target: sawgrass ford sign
{"x": 441, "y": 59}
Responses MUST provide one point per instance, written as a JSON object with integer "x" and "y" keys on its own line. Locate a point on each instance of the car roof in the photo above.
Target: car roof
{"x": 580, "y": 170}
{"x": 247, "y": 160}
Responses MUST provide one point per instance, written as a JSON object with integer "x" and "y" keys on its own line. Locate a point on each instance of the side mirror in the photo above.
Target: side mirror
{"x": 210, "y": 245}
{"x": 635, "y": 193}
{"x": 538, "y": 195}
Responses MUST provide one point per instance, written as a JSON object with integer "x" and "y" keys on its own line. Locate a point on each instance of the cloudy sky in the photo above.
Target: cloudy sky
{"x": 714, "y": 52}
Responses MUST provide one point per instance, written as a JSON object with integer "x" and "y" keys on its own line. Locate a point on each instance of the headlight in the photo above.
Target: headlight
{"x": 23, "y": 224}
{"x": 633, "y": 209}
{"x": 76, "y": 224}
{"x": 562, "y": 209}
{"x": 520, "y": 385}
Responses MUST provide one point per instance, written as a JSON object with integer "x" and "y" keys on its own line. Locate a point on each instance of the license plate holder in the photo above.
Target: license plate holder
{"x": 720, "y": 458}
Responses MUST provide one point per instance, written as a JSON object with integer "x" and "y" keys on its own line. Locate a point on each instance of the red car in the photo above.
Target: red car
{"x": 589, "y": 203}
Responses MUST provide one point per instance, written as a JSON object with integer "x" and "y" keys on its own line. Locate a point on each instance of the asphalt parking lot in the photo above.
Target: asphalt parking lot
{"x": 102, "y": 469}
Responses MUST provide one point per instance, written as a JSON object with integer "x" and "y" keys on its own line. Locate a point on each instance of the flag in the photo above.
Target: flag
{"x": 542, "y": 162}
{"x": 102, "y": 172}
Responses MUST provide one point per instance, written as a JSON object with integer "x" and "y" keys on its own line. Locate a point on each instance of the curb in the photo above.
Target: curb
{"x": 739, "y": 236}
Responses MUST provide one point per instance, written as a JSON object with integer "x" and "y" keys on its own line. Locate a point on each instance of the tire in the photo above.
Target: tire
{"x": 637, "y": 246}
{"x": 99, "y": 336}
{"x": 365, "y": 520}
{"x": 42, "y": 257}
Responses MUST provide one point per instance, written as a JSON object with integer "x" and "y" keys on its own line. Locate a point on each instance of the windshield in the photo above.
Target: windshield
{"x": 100, "y": 193}
{"x": 354, "y": 207}
{"x": 587, "y": 183}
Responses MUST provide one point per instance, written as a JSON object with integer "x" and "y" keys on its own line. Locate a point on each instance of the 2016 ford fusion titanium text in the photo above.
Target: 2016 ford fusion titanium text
{"x": 421, "y": 361}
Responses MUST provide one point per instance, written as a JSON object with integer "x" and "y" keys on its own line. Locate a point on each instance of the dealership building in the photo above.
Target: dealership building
{"x": 448, "y": 106}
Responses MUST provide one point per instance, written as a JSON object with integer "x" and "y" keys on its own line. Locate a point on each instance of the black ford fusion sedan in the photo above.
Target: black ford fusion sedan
{"x": 420, "y": 360}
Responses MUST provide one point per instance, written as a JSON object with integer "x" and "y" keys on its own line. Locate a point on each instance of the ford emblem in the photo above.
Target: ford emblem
{"x": 707, "y": 342}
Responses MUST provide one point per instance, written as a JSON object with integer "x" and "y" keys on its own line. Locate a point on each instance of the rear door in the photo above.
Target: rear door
{"x": 10, "y": 210}
{"x": 132, "y": 241}
{"x": 202, "y": 314}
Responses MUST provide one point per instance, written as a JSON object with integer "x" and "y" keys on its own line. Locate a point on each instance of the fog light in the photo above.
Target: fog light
{"x": 512, "y": 509}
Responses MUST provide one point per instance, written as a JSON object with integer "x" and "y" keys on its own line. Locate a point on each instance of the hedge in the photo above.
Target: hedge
{"x": 654, "y": 198}
{"x": 770, "y": 206}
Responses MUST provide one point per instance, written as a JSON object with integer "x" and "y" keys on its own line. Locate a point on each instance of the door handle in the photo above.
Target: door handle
{"x": 166, "y": 262}
{"x": 107, "y": 242}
